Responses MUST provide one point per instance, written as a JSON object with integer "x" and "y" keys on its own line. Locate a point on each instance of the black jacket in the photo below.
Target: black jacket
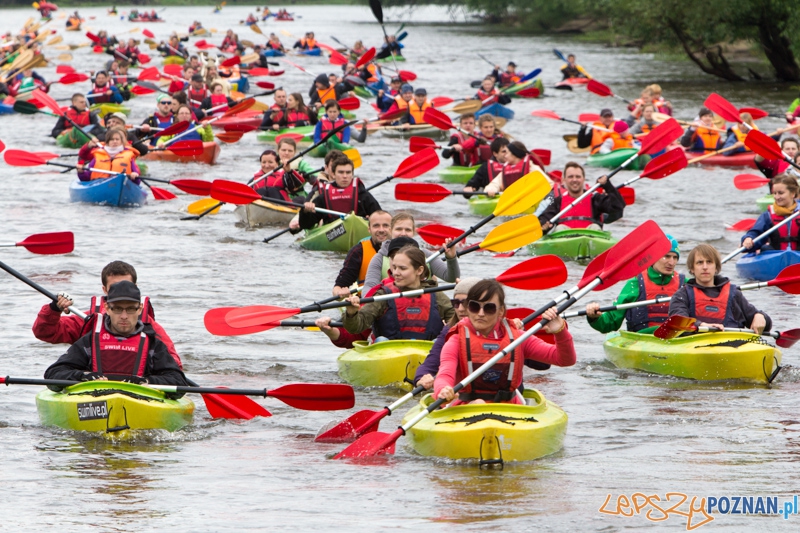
{"x": 367, "y": 204}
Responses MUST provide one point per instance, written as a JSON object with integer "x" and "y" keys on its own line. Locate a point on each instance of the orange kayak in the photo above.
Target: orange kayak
{"x": 209, "y": 155}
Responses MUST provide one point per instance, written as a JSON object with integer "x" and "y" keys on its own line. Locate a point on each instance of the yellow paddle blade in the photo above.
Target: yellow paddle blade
{"x": 152, "y": 46}
{"x": 499, "y": 122}
{"x": 249, "y": 58}
{"x": 236, "y": 95}
{"x": 513, "y": 234}
{"x": 55, "y": 40}
{"x": 286, "y": 33}
{"x": 63, "y": 47}
{"x": 470, "y": 106}
{"x": 256, "y": 29}
{"x": 354, "y": 156}
{"x": 35, "y": 5}
{"x": 260, "y": 106}
{"x": 530, "y": 189}
{"x": 203, "y": 205}
{"x": 64, "y": 57}
{"x": 246, "y": 44}
{"x": 213, "y": 30}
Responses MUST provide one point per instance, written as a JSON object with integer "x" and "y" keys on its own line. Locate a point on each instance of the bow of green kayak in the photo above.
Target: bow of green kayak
{"x": 382, "y": 364}
{"x": 337, "y": 236}
{"x": 616, "y": 158}
{"x": 574, "y": 244}
{"x": 457, "y": 174}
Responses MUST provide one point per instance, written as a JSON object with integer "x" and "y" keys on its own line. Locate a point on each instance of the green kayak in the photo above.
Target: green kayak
{"x": 456, "y": 174}
{"x": 338, "y": 236}
{"x": 764, "y": 202}
{"x": 574, "y": 244}
{"x": 105, "y": 109}
{"x": 269, "y": 136}
{"x": 71, "y": 139}
{"x": 331, "y": 144}
{"x": 512, "y": 92}
{"x": 616, "y": 158}
{"x": 382, "y": 364}
{"x": 484, "y": 206}
{"x": 390, "y": 59}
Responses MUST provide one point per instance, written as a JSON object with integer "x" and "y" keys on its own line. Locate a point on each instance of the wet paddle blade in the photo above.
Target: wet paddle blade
{"x": 406, "y": 75}
{"x": 755, "y": 112}
{"x": 722, "y": 107}
{"x": 530, "y": 92}
{"x": 353, "y": 427}
{"x": 544, "y": 113}
{"x": 377, "y": 10}
{"x": 64, "y": 69}
{"x": 72, "y": 77}
{"x": 214, "y": 321}
{"x": 337, "y": 58}
{"x": 763, "y": 145}
{"x": 265, "y": 84}
{"x": 192, "y": 186}
{"x": 745, "y": 182}
{"x": 315, "y": 396}
{"x": 232, "y": 192}
{"x": 350, "y": 104}
{"x": 162, "y": 194}
{"x": 48, "y": 101}
{"x": 417, "y": 144}
{"x": 788, "y": 338}
{"x": 230, "y": 137}
{"x": 437, "y": 119}
{"x": 296, "y": 137}
{"x": 427, "y": 193}
{"x": 537, "y": 273}
{"x": 354, "y": 156}
{"x": 662, "y": 136}
{"x": 470, "y": 106}
{"x": 259, "y": 315}
{"x": 187, "y": 148}
{"x": 436, "y": 234}
{"x": 173, "y": 70}
{"x": 366, "y": 57}
{"x": 417, "y": 164}
{"x": 523, "y": 194}
{"x": 441, "y": 101}
{"x": 588, "y": 117}
{"x": 62, "y": 242}
{"x": 149, "y": 74}
{"x": 515, "y": 233}
{"x": 665, "y": 165}
{"x": 178, "y": 127}
{"x": 240, "y": 127}
{"x": 21, "y": 158}
{"x": 233, "y": 407}
{"x": 543, "y": 155}
{"x": 201, "y": 206}
{"x": 600, "y": 89}
{"x": 788, "y": 280}
{"x": 628, "y": 194}
{"x": 141, "y": 90}
{"x": 675, "y": 326}
{"x": 148, "y": 33}
{"x": 371, "y": 444}
{"x": 743, "y": 225}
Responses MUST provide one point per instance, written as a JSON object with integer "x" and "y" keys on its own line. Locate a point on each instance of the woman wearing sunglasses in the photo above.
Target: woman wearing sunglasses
{"x": 478, "y": 338}
{"x": 417, "y": 318}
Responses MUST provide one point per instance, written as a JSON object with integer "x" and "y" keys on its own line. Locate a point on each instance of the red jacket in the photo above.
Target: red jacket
{"x": 57, "y": 328}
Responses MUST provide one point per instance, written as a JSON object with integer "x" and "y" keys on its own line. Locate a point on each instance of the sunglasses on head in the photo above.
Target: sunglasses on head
{"x": 489, "y": 308}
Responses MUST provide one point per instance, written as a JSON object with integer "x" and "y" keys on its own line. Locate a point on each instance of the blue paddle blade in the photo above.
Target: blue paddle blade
{"x": 559, "y": 55}
{"x": 532, "y": 74}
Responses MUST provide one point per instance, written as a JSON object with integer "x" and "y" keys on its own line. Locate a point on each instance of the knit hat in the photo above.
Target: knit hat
{"x": 674, "y": 247}
{"x": 406, "y": 88}
{"x": 118, "y": 115}
{"x": 161, "y": 96}
{"x": 463, "y": 286}
{"x": 620, "y": 126}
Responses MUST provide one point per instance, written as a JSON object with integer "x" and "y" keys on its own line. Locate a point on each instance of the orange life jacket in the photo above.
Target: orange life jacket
{"x": 598, "y": 136}
{"x": 709, "y": 137}
{"x": 122, "y": 163}
{"x": 326, "y": 94}
{"x": 417, "y": 112}
{"x": 367, "y": 254}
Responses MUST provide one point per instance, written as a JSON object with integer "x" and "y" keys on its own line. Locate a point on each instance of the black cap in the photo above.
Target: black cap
{"x": 197, "y": 77}
{"x": 396, "y": 80}
{"x": 398, "y": 242}
{"x": 512, "y": 64}
{"x": 606, "y": 112}
{"x": 123, "y": 291}
{"x": 421, "y": 92}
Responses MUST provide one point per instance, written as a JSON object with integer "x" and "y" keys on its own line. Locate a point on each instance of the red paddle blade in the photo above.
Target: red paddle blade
{"x": 72, "y": 77}
{"x": 92, "y": 37}
{"x": 371, "y": 444}
{"x": 722, "y": 107}
{"x": 437, "y": 119}
{"x": 149, "y": 74}
{"x": 366, "y": 57}
{"x": 417, "y": 164}
{"x": 337, "y": 59}
{"x": 231, "y": 61}
{"x": 763, "y": 145}
{"x": 48, "y": 101}
{"x": 255, "y": 72}
{"x": 427, "y": 193}
{"x": 173, "y": 70}
{"x": 662, "y": 136}
{"x": 64, "y": 69}
{"x": 143, "y": 58}
{"x": 530, "y": 92}
{"x": 629, "y": 257}
{"x": 62, "y": 242}
{"x": 214, "y": 321}
{"x": 436, "y": 234}
{"x": 162, "y": 194}
{"x": 139, "y": 90}
{"x": 178, "y": 127}
{"x": 230, "y": 136}
{"x": 21, "y": 158}
{"x": 233, "y": 407}
{"x": 244, "y": 128}
{"x": 390, "y": 116}
{"x": 315, "y": 396}
{"x": 406, "y": 75}
{"x": 588, "y": 117}
{"x": 265, "y": 84}
{"x": 148, "y": 33}
{"x": 190, "y": 186}
{"x": 46, "y": 155}
{"x": 742, "y": 225}
{"x": 556, "y": 175}
{"x": 187, "y": 148}
{"x": 788, "y": 338}
{"x": 543, "y": 155}
{"x": 628, "y": 194}
{"x": 233, "y": 193}
{"x": 788, "y": 280}
{"x": 259, "y": 315}
{"x": 755, "y": 112}
{"x": 665, "y": 165}
{"x": 537, "y": 273}
{"x": 202, "y": 44}
{"x": 353, "y": 427}
{"x": 441, "y": 101}
{"x": 600, "y": 89}
{"x": 417, "y": 144}
{"x": 674, "y": 326}
{"x": 296, "y": 137}
{"x": 544, "y": 113}
{"x": 350, "y": 104}
{"x": 745, "y": 182}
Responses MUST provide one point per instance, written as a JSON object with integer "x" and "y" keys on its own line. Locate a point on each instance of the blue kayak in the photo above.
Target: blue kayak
{"x": 6, "y": 109}
{"x": 766, "y": 265}
{"x": 496, "y": 110}
{"x": 117, "y": 191}
{"x": 312, "y": 52}
{"x": 272, "y": 53}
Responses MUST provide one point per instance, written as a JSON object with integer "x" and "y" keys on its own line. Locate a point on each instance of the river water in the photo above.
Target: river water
{"x": 628, "y": 432}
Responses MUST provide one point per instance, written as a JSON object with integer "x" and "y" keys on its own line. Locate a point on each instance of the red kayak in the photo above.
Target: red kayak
{"x": 572, "y": 81}
{"x": 742, "y": 159}
{"x": 251, "y": 117}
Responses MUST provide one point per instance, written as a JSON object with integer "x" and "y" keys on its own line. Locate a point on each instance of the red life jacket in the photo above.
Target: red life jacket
{"x": 494, "y": 168}
{"x": 712, "y": 310}
{"x": 639, "y": 318}
{"x": 512, "y": 173}
{"x": 112, "y": 356}
{"x": 468, "y": 157}
{"x": 219, "y": 100}
{"x": 294, "y": 118}
{"x": 579, "y": 216}
{"x": 507, "y": 79}
{"x": 196, "y": 97}
{"x": 101, "y": 97}
{"x": 482, "y": 96}
{"x": 342, "y": 200}
{"x": 787, "y": 237}
{"x": 501, "y": 381}
{"x": 409, "y": 318}
{"x": 327, "y": 126}
{"x": 147, "y": 315}
{"x": 81, "y": 119}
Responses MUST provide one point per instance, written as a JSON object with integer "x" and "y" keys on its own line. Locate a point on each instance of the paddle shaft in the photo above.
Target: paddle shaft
{"x": 317, "y": 209}
{"x": 391, "y": 296}
{"x": 762, "y": 236}
{"x": 631, "y": 305}
{"x": 38, "y": 287}
{"x": 463, "y": 236}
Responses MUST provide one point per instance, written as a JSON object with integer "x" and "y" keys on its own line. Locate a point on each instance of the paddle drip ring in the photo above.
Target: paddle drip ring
{"x": 491, "y": 462}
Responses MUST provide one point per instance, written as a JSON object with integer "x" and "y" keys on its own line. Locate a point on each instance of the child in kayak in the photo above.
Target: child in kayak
{"x": 785, "y": 191}
{"x": 114, "y": 156}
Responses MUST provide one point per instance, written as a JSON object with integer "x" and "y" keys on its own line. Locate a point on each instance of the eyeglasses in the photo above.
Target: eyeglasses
{"x": 456, "y": 303}
{"x": 119, "y": 310}
{"x": 162, "y": 102}
{"x": 489, "y": 308}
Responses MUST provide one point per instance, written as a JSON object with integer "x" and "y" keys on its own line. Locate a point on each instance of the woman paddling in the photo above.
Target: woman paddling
{"x": 275, "y": 182}
{"x": 114, "y": 156}
{"x": 184, "y": 114}
{"x": 295, "y": 115}
{"x": 417, "y": 318}
{"x": 485, "y": 331}
{"x": 712, "y": 299}
{"x": 785, "y": 191}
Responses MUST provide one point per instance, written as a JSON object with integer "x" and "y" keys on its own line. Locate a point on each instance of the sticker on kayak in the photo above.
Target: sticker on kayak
{"x": 336, "y": 232}
{"x": 92, "y": 411}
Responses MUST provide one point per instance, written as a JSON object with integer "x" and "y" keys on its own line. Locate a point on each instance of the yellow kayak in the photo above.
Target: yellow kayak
{"x": 382, "y": 364}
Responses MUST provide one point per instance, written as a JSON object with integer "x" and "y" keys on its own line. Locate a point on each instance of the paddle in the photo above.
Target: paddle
{"x": 601, "y": 89}
{"x": 545, "y": 113}
{"x": 62, "y": 242}
{"x": 536, "y": 273}
{"x": 762, "y": 236}
{"x": 436, "y": 234}
{"x": 426, "y": 192}
{"x": 766, "y": 147}
{"x": 306, "y": 396}
{"x": 530, "y": 189}
{"x": 242, "y": 105}
{"x": 642, "y": 246}
{"x": 723, "y": 108}
{"x": 411, "y": 167}
{"x": 439, "y": 120}
{"x": 631, "y": 305}
{"x": 189, "y": 186}
{"x": 377, "y": 10}
{"x": 745, "y": 182}
{"x": 236, "y": 193}
{"x": 743, "y": 225}
{"x": 676, "y": 325}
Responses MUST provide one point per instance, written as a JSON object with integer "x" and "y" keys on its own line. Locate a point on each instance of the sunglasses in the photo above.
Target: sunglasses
{"x": 456, "y": 303}
{"x": 119, "y": 310}
{"x": 489, "y": 308}
{"x": 165, "y": 103}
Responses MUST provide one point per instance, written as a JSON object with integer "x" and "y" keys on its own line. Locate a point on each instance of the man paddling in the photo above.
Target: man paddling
{"x": 592, "y": 212}
{"x": 80, "y": 115}
{"x": 573, "y": 70}
{"x": 509, "y": 76}
{"x": 358, "y": 258}
{"x": 660, "y": 280}
{"x": 489, "y": 169}
{"x": 55, "y": 325}
{"x": 119, "y": 347}
{"x": 463, "y": 146}
{"x": 592, "y": 135}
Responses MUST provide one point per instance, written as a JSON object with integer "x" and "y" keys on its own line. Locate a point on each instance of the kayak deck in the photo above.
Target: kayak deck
{"x": 574, "y": 244}
{"x": 337, "y": 236}
{"x": 382, "y": 364}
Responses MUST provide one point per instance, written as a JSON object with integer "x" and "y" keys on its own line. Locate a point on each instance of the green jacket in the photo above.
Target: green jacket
{"x": 612, "y": 320}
